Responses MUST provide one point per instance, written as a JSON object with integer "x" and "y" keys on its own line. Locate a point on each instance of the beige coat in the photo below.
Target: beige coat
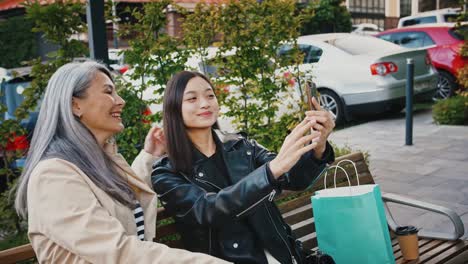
{"x": 71, "y": 220}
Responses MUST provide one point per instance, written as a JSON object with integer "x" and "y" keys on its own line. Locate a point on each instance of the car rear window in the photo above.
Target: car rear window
{"x": 420, "y": 20}
{"x": 357, "y": 45}
{"x": 13, "y": 95}
{"x": 311, "y": 53}
{"x": 459, "y": 33}
{"x": 450, "y": 17}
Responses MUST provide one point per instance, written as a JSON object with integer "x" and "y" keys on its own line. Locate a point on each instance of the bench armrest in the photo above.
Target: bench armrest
{"x": 451, "y": 214}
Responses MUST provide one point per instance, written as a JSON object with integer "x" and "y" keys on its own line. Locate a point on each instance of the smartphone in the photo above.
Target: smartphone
{"x": 311, "y": 92}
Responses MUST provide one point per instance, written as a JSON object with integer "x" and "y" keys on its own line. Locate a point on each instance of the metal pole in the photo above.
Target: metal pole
{"x": 97, "y": 31}
{"x": 409, "y": 101}
{"x": 115, "y": 24}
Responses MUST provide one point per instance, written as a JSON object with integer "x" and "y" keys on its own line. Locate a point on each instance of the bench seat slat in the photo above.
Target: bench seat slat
{"x": 458, "y": 251}
{"x": 436, "y": 251}
{"x": 422, "y": 250}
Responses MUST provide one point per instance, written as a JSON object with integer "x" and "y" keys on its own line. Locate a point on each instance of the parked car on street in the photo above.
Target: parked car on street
{"x": 436, "y": 16}
{"x": 117, "y": 60}
{"x": 443, "y": 42}
{"x": 366, "y": 29}
{"x": 358, "y": 75}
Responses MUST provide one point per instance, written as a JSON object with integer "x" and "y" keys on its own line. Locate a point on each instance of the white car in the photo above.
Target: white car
{"x": 366, "y": 29}
{"x": 436, "y": 16}
{"x": 364, "y": 75}
{"x": 357, "y": 74}
{"x": 117, "y": 60}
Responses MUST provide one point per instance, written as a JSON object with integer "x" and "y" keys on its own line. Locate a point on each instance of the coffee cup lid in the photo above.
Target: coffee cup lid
{"x": 406, "y": 230}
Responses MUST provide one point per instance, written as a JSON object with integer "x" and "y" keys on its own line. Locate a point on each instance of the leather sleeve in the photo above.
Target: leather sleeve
{"x": 303, "y": 174}
{"x": 194, "y": 205}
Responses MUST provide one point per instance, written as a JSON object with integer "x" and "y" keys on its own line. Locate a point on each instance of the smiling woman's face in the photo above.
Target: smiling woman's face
{"x": 200, "y": 107}
{"x": 101, "y": 108}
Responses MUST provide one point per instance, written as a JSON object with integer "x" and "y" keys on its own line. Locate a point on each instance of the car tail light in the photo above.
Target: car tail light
{"x": 17, "y": 143}
{"x": 383, "y": 68}
{"x": 456, "y": 47}
{"x": 428, "y": 59}
{"x": 123, "y": 69}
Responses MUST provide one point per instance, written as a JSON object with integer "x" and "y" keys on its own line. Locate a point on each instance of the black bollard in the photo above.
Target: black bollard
{"x": 409, "y": 101}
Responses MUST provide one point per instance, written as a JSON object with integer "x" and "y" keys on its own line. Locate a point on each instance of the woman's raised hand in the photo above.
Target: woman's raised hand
{"x": 294, "y": 146}
{"x": 155, "y": 142}
{"x": 324, "y": 123}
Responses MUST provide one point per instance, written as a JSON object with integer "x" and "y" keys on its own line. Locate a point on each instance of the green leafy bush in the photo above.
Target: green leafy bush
{"x": 451, "y": 111}
{"x": 328, "y": 16}
{"x": 17, "y": 42}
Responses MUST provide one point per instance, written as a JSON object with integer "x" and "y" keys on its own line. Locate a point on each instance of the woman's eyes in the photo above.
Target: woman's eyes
{"x": 193, "y": 99}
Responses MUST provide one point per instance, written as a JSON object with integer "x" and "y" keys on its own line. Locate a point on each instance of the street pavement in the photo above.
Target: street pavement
{"x": 434, "y": 169}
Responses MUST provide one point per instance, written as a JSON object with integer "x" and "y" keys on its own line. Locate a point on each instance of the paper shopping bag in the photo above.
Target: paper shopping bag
{"x": 351, "y": 225}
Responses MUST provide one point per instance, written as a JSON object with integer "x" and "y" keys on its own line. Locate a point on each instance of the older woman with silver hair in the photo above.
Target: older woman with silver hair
{"x": 83, "y": 201}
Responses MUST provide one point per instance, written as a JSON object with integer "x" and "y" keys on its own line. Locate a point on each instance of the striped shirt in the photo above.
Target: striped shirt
{"x": 140, "y": 222}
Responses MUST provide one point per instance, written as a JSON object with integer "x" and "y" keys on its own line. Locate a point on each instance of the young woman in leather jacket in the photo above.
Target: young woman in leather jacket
{"x": 220, "y": 187}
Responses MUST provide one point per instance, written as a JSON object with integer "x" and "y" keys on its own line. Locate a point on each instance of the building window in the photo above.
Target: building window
{"x": 367, "y": 11}
{"x": 405, "y": 8}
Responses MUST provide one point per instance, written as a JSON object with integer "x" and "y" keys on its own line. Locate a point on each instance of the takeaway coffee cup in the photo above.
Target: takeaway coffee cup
{"x": 408, "y": 240}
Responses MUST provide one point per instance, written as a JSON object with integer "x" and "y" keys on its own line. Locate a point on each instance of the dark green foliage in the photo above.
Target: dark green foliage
{"x": 251, "y": 34}
{"x": 17, "y": 42}
{"x": 328, "y": 16}
{"x": 155, "y": 57}
{"x": 451, "y": 111}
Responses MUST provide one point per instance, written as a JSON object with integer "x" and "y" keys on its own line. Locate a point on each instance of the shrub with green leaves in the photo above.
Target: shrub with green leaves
{"x": 17, "y": 41}
{"x": 247, "y": 60}
{"x": 155, "y": 56}
{"x": 328, "y": 16}
{"x": 451, "y": 111}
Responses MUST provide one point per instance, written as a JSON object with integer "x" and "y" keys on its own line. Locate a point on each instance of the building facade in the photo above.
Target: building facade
{"x": 386, "y": 13}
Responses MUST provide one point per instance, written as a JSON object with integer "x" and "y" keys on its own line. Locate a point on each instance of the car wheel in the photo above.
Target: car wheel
{"x": 446, "y": 86}
{"x": 331, "y": 102}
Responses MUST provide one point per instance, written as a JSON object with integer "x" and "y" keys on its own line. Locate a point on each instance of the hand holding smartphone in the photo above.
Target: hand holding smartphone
{"x": 311, "y": 92}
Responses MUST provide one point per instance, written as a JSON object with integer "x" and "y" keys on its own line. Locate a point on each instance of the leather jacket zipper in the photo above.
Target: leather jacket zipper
{"x": 270, "y": 197}
{"x": 282, "y": 238}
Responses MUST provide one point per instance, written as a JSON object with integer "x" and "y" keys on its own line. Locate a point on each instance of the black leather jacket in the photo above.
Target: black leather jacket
{"x": 238, "y": 222}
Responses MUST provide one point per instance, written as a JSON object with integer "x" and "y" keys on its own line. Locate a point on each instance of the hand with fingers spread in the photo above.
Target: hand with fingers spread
{"x": 324, "y": 123}
{"x": 296, "y": 144}
{"x": 155, "y": 142}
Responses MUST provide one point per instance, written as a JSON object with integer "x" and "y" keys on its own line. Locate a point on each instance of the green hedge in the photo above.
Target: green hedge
{"x": 17, "y": 42}
{"x": 451, "y": 111}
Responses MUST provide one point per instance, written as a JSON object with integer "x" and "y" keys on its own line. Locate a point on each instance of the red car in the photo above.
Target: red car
{"x": 443, "y": 43}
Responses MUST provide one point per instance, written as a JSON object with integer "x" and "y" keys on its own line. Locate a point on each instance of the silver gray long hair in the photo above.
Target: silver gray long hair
{"x": 60, "y": 134}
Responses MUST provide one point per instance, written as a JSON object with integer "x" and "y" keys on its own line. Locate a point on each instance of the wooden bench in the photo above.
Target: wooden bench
{"x": 297, "y": 212}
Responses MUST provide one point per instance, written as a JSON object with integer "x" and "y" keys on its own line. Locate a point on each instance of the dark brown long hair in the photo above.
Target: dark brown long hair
{"x": 179, "y": 146}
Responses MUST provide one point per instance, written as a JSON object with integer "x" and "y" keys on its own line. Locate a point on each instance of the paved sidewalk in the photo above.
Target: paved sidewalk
{"x": 434, "y": 169}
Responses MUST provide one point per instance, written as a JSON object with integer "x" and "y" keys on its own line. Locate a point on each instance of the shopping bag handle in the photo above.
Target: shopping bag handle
{"x": 346, "y": 173}
{"x": 336, "y": 168}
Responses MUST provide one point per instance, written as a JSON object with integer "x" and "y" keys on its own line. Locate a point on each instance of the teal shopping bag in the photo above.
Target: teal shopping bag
{"x": 351, "y": 225}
